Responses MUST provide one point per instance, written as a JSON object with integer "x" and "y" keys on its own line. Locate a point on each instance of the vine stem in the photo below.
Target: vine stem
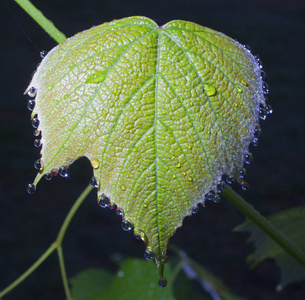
{"x": 264, "y": 224}
{"x": 56, "y": 245}
{"x": 46, "y": 24}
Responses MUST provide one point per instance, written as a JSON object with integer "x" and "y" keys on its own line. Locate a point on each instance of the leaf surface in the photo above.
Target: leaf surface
{"x": 290, "y": 222}
{"x": 161, "y": 113}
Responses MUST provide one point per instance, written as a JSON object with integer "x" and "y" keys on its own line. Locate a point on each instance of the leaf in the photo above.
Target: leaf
{"x": 161, "y": 113}
{"x": 140, "y": 275}
{"x": 89, "y": 283}
{"x": 291, "y": 223}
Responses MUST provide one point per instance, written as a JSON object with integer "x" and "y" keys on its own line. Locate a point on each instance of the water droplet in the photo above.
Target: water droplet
{"x": 126, "y": 225}
{"x": 259, "y": 61}
{"x": 248, "y": 48}
{"x": 43, "y": 54}
{"x": 174, "y": 176}
{"x": 54, "y": 172}
{"x": 195, "y": 209}
{"x": 148, "y": 254}
{"x": 210, "y": 196}
{"x": 255, "y": 143}
{"x": 37, "y": 143}
{"x": 178, "y": 165}
{"x": 263, "y": 75}
{"x": 63, "y": 172}
{"x": 50, "y": 87}
{"x": 230, "y": 179}
{"x": 38, "y": 164}
{"x": 162, "y": 282}
{"x": 220, "y": 186}
{"x": 248, "y": 158}
{"x": 32, "y": 92}
{"x": 189, "y": 178}
{"x": 243, "y": 173}
{"x": 217, "y": 198}
{"x": 123, "y": 187}
{"x": 31, "y": 188}
{"x": 138, "y": 236}
{"x": 265, "y": 87}
{"x": 95, "y": 163}
{"x": 268, "y": 109}
{"x": 31, "y": 104}
{"x": 209, "y": 89}
{"x": 262, "y": 113}
{"x": 239, "y": 89}
{"x": 93, "y": 182}
{"x": 257, "y": 133}
{"x": 36, "y": 132}
{"x": 244, "y": 185}
{"x": 104, "y": 201}
{"x": 48, "y": 176}
{"x": 35, "y": 123}
{"x": 86, "y": 129}
{"x": 119, "y": 211}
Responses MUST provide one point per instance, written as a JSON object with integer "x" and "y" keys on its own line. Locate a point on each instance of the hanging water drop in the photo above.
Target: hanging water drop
{"x": 148, "y": 254}
{"x": 230, "y": 179}
{"x": 37, "y": 143}
{"x": 95, "y": 163}
{"x": 32, "y": 92}
{"x": 262, "y": 113}
{"x": 217, "y": 198}
{"x": 31, "y": 188}
{"x": 209, "y": 89}
{"x": 210, "y": 196}
{"x": 265, "y": 87}
{"x": 195, "y": 209}
{"x": 243, "y": 173}
{"x": 36, "y": 132}
{"x": 162, "y": 282}
{"x": 38, "y": 164}
{"x": 126, "y": 225}
{"x": 244, "y": 185}
{"x": 43, "y": 54}
{"x": 48, "y": 176}
{"x": 220, "y": 186}
{"x": 255, "y": 143}
{"x": 35, "y": 123}
{"x": 104, "y": 201}
{"x": 263, "y": 75}
{"x": 268, "y": 109}
{"x": 31, "y": 105}
{"x": 93, "y": 182}
{"x": 119, "y": 211}
{"x": 248, "y": 48}
{"x": 63, "y": 171}
{"x": 257, "y": 133}
{"x": 248, "y": 158}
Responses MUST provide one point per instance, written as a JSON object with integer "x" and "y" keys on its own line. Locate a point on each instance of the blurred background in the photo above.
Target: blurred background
{"x": 275, "y": 30}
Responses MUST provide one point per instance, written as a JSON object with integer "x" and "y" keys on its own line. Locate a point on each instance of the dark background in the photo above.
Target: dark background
{"x": 29, "y": 223}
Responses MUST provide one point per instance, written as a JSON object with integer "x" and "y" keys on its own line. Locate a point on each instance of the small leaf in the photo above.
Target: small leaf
{"x": 291, "y": 223}
{"x": 161, "y": 112}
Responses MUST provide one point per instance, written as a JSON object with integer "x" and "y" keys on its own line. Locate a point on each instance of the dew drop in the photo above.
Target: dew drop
{"x": 104, "y": 201}
{"x": 189, "y": 178}
{"x": 244, "y": 185}
{"x": 248, "y": 48}
{"x": 220, "y": 186}
{"x": 38, "y": 164}
{"x": 248, "y": 158}
{"x": 268, "y": 109}
{"x": 174, "y": 176}
{"x": 148, "y": 254}
{"x": 93, "y": 182}
{"x": 243, "y": 173}
{"x": 262, "y": 113}
{"x": 265, "y": 87}
{"x": 195, "y": 209}
{"x": 63, "y": 172}
{"x": 32, "y": 92}
{"x": 123, "y": 187}
{"x": 230, "y": 179}
{"x": 210, "y": 196}
{"x": 263, "y": 75}
{"x": 31, "y": 188}
{"x": 239, "y": 89}
{"x": 43, "y": 54}
{"x": 119, "y": 211}
{"x": 48, "y": 176}
{"x": 209, "y": 89}
{"x": 126, "y": 225}
{"x": 35, "y": 123}
{"x": 95, "y": 163}
{"x": 257, "y": 133}
{"x": 37, "y": 143}
{"x": 178, "y": 165}
{"x": 31, "y": 105}
{"x": 162, "y": 282}
{"x": 36, "y": 132}
{"x": 255, "y": 143}
{"x": 217, "y": 198}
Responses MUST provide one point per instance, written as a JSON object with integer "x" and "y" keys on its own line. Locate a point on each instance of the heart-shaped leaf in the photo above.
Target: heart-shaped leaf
{"x": 161, "y": 113}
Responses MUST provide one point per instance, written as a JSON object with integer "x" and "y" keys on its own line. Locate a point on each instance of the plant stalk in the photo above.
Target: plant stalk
{"x": 46, "y": 24}
{"x": 265, "y": 225}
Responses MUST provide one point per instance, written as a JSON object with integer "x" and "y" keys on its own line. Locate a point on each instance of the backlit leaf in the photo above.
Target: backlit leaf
{"x": 161, "y": 113}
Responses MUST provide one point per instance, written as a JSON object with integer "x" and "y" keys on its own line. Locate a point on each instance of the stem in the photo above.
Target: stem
{"x": 264, "y": 225}
{"x": 63, "y": 272}
{"x": 55, "y": 245}
{"x": 29, "y": 271}
{"x": 46, "y": 24}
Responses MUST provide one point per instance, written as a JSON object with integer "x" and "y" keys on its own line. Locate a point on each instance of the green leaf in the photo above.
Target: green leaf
{"x": 136, "y": 280}
{"x": 161, "y": 113}
{"x": 292, "y": 223}
{"x": 89, "y": 283}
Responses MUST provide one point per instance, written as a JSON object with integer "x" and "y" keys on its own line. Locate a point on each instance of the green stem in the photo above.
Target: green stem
{"x": 63, "y": 272}
{"x": 46, "y": 24}
{"x": 29, "y": 271}
{"x": 56, "y": 245}
{"x": 264, "y": 225}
